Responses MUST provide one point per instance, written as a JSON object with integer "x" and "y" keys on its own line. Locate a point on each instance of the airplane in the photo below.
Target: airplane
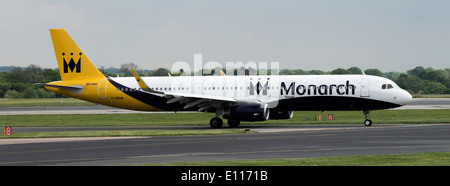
{"x": 235, "y": 98}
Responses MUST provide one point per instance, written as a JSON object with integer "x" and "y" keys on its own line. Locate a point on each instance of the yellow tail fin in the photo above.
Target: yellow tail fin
{"x": 72, "y": 62}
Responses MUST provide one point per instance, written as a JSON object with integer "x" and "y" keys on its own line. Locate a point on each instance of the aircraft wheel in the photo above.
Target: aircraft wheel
{"x": 216, "y": 123}
{"x": 233, "y": 123}
{"x": 368, "y": 122}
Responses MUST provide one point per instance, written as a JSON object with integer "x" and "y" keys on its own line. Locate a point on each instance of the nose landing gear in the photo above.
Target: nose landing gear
{"x": 367, "y": 122}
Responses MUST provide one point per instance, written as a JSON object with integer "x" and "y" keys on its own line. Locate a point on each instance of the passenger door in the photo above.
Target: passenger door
{"x": 102, "y": 89}
{"x": 365, "y": 87}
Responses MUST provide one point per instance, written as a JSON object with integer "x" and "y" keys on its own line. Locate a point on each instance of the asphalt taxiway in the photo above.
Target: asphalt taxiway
{"x": 297, "y": 142}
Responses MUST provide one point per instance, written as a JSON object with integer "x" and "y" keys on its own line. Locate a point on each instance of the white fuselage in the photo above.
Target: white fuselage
{"x": 267, "y": 89}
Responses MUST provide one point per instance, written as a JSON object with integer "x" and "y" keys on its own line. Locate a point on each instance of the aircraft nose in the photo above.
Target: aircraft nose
{"x": 404, "y": 98}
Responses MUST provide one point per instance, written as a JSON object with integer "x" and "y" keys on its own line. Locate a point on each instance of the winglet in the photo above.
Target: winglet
{"x": 142, "y": 84}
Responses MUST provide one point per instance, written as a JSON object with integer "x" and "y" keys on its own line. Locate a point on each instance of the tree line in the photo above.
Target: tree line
{"x": 18, "y": 82}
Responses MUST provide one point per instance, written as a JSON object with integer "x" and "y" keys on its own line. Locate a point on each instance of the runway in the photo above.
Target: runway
{"x": 293, "y": 142}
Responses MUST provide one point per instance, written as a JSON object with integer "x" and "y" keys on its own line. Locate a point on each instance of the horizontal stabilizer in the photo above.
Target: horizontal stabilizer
{"x": 76, "y": 89}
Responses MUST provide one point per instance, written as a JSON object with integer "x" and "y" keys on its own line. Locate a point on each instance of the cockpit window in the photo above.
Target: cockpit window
{"x": 387, "y": 86}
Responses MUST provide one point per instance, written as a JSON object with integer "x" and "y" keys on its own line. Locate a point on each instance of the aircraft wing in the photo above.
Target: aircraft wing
{"x": 204, "y": 102}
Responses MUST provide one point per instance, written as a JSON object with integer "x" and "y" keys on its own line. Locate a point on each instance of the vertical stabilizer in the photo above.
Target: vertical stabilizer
{"x": 72, "y": 62}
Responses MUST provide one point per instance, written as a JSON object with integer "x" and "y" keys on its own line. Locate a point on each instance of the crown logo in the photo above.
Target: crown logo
{"x": 72, "y": 65}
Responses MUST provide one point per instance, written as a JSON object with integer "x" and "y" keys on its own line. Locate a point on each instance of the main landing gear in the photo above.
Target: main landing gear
{"x": 217, "y": 122}
{"x": 367, "y": 122}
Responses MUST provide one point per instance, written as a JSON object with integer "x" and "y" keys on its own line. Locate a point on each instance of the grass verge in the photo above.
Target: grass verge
{"x": 413, "y": 159}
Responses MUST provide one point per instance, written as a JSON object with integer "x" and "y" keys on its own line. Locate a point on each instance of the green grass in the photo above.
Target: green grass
{"x": 117, "y": 133}
{"x": 413, "y": 159}
{"x": 43, "y": 102}
{"x": 151, "y": 119}
{"x": 180, "y": 119}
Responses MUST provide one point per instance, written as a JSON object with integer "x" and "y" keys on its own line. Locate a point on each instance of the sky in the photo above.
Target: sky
{"x": 391, "y": 35}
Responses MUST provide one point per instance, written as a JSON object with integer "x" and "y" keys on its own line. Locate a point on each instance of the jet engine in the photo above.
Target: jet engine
{"x": 281, "y": 114}
{"x": 247, "y": 112}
